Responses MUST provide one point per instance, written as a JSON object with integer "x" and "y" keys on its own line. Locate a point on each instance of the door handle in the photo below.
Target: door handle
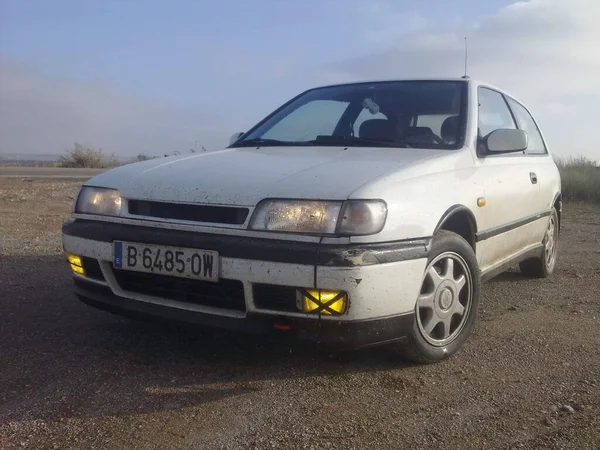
{"x": 533, "y": 177}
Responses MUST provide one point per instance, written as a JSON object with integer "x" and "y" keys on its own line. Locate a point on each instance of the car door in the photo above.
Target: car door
{"x": 545, "y": 169}
{"x": 511, "y": 188}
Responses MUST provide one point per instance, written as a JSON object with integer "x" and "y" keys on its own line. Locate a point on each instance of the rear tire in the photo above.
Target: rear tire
{"x": 446, "y": 309}
{"x": 544, "y": 266}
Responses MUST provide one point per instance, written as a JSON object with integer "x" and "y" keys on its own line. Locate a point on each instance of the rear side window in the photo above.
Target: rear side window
{"x": 493, "y": 112}
{"x": 526, "y": 123}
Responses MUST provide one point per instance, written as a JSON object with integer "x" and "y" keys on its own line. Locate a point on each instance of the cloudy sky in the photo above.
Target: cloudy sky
{"x": 152, "y": 76}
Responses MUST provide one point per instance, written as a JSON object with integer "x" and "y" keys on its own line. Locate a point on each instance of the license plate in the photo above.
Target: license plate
{"x": 164, "y": 260}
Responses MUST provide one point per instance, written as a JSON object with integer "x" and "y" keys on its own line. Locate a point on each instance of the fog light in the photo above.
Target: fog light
{"x": 74, "y": 260}
{"x": 77, "y": 269}
{"x": 323, "y": 301}
{"x": 75, "y": 263}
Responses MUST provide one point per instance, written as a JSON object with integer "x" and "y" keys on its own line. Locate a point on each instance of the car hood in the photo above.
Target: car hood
{"x": 244, "y": 176}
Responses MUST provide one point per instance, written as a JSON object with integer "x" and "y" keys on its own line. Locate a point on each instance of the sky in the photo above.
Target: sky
{"x": 150, "y": 76}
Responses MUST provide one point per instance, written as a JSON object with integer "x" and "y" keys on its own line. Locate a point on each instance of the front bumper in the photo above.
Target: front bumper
{"x": 382, "y": 282}
{"x": 336, "y": 333}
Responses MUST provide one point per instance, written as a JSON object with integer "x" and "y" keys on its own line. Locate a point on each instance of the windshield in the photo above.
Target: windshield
{"x": 420, "y": 114}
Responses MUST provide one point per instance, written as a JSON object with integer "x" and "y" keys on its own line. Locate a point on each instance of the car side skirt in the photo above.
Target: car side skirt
{"x": 503, "y": 266}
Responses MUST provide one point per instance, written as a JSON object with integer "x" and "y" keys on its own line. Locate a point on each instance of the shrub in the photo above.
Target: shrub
{"x": 580, "y": 179}
{"x": 87, "y": 157}
{"x": 143, "y": 157}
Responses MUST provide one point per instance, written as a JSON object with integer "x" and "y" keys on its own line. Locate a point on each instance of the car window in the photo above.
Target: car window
{"x": 432, "y": 121}
{"x": 318, "y": 117}
{"x": 365, "y": 115}
{"x": 378, "y": 112}
{"x": 493, "y": 112}
{"x": 526, "y": 123}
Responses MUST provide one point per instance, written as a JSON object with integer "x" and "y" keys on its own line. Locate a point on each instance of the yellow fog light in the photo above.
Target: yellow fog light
{"x": 74, "y": 260}
{"x": 75, "y": 263}
{"x": 323, "y": 301}
{"x": 77, "y": 269}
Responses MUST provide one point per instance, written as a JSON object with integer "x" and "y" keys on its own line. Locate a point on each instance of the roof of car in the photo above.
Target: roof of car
{"x": 474, "y": 81}
{"x": 388, "y": 80}
{"x": 384, "y": 80}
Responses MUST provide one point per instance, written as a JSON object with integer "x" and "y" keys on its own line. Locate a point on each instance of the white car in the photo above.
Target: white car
{"x": 355, "y": 214}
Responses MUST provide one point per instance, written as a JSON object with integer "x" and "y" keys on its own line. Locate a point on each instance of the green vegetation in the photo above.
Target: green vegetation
{"x": 143, "y": 157}
{"x": 580, "y": 179}
{"x": 87, "y": 157}
{"x": 581, "y": 211}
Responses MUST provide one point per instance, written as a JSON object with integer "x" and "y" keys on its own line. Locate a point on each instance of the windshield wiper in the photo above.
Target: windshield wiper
{"x": 356, "y": 141}
{"x": 347, "y": 141}
{"x": 260, "y": 142}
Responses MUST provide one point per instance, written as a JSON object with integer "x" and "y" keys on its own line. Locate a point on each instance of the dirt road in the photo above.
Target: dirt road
{"x": 29, "y": 172}
{"x": 74, "y": 377}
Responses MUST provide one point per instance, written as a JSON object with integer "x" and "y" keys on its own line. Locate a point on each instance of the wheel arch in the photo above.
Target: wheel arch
{"x": 557, "y": 203}
{"x": 460, "y": 220}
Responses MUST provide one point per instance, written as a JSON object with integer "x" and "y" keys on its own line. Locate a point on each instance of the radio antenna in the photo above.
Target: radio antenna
{"x": 466, "y": 58}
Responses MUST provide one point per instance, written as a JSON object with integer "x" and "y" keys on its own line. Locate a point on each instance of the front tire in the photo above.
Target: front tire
{"x": 544, "y": 266}
{"x": 446, "y": 309}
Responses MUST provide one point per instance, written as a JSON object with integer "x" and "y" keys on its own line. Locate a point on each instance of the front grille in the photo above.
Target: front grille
{"x": 92, "y": 268}
{"x": 276, "y": 298}
{"x": 197, "y": 213}
{"x": 226, "y": 294}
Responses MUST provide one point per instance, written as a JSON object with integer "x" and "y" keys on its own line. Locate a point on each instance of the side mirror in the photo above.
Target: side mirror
{"x": 235, "y": 137}
{"x": 506, "y": 141}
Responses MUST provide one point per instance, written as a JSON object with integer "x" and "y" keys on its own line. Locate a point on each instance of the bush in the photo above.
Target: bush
{"x": 143, "y": 157}
{"x": 87, "y": 157}
{"x": 580, "y": 179}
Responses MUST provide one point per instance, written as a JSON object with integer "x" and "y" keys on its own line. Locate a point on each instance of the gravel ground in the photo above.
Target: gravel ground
{"x": 74, "y": 377}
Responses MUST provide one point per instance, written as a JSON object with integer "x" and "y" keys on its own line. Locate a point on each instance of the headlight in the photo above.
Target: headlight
{"x": 296, "y": 216}
{"x": 102, "y": 201}
{"x": 353, "y": 217}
